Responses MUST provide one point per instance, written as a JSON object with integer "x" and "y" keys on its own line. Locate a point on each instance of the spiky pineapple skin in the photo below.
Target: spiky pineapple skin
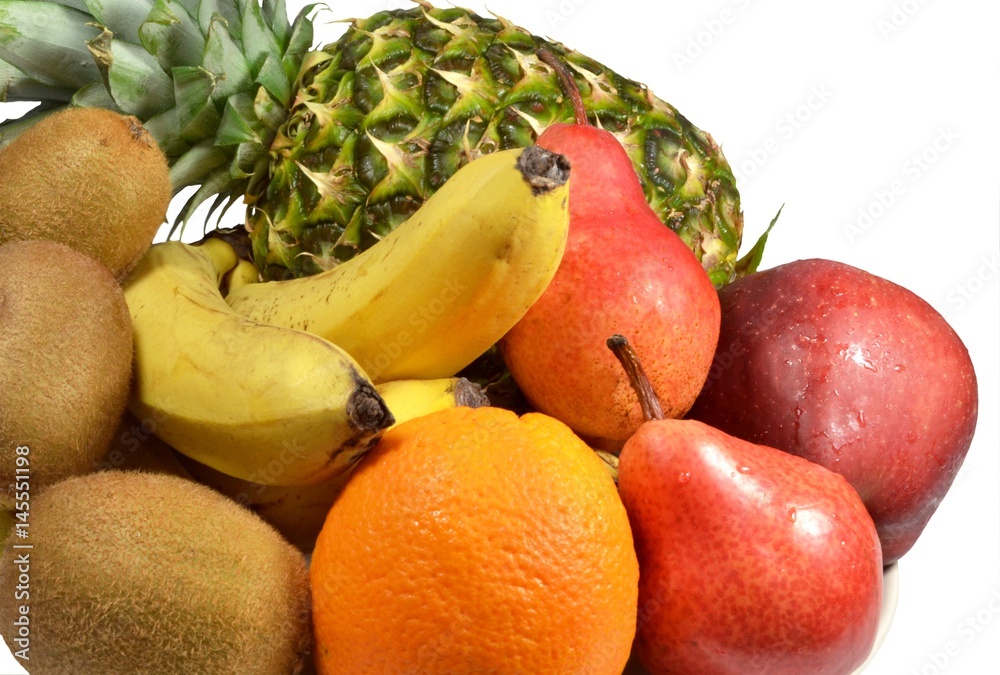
{"x": 334, "y": 148}
{"x": 388, "y": 112}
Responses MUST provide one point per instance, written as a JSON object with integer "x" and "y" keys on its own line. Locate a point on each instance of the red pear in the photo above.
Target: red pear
{"x": 854, "y": 372}
{"x": 751, "y": 560}
{"x": 623, "y": 271}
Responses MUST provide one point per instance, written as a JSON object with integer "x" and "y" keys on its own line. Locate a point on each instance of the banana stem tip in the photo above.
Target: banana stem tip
{"x": 543, "y": 169}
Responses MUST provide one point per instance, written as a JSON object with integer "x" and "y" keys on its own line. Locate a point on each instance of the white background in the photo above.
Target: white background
{"x": 875, "y": 124}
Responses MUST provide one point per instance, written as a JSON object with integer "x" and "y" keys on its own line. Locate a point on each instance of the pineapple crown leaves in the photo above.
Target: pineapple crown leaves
{"x": 212, "y": 80}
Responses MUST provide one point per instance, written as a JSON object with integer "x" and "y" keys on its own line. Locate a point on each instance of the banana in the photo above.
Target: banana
{"x": 443, "y": 287}
{"x": 408, "y": 399}
{"x": 258, "y": 402}
{"x": 243, "y": 274}
{"x": 299, "y": 511}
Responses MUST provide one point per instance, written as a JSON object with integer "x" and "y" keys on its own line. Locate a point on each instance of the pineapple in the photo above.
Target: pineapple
{"x": 331, "y": 149}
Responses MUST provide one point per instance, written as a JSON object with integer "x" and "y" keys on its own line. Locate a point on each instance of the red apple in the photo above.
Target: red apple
{"x": 851, "y": 371}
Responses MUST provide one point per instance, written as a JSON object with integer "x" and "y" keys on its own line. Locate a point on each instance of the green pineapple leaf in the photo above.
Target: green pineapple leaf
{"x": 172, "y": 36}
{"x": 121, "y": 17}
{"x": 749, "y": 263}
{"x": 48, "y": 43}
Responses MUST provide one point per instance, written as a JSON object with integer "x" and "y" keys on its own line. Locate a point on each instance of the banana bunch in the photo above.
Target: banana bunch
{"x": 258, "y": 402}
{"x": 281, "y": 385}
{"x": 447, "y": 284}
{"x": 298, "y": 511}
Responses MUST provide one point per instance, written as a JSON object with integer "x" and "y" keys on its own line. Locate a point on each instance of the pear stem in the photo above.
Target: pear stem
{"x": 651, "y": 409}
{"x": 567, "y": 82}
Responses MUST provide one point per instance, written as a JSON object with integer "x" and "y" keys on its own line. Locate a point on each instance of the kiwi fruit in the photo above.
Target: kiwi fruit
{"x": 136, "y": 572}
{"x": 65, "y": 363}
{"x": 90, "y": 178}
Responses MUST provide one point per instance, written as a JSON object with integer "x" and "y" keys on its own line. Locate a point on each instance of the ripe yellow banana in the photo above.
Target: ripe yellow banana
{"x": 299, "y": 511}
{"x": 443, "y": 287}
{"x": 262, "y": 403}
{"x": 408, "y": 399}
{"x": 243, "y": 274}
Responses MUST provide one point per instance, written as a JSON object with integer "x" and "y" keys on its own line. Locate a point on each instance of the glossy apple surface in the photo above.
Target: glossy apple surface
{"x": 851, "y": 371}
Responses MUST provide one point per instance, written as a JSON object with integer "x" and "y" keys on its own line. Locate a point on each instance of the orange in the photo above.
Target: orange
{"x": 474, "y": 541}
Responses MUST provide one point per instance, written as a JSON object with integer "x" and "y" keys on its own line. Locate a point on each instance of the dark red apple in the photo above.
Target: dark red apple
{"x": 851, "y": 371}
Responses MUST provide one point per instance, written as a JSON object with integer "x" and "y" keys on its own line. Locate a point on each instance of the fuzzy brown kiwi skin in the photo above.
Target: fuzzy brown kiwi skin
{"x": 65, "y": 362}
{"x": 89, "y": 178}
{"x": 151, "y": 573}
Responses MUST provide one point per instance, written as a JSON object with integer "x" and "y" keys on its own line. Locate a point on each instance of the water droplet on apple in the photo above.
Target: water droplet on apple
{"x": 744, "y": 469}
{"x": 861, "y": 419}
{"x": 683, "y": 477}
{"x": 792, "y": 514}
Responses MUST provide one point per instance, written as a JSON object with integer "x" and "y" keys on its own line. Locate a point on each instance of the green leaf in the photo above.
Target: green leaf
{"x": 247, "y": 159}
{"x": 197, "y": 113}
{"x": 16, "y": 86}
{"x": 94, "y": 95}
{"x": 173, "y": 37}
{"x": 271, "y": 112}
{"x": 191, "y": 6}
{"x": 225, "y": 201}
{"x": 276, "y": 17}
{"x": 163, "y": 128}
{"x": 239, "y": 123}
{"x": 299, "y": 43}
{"x": 196, "y": 164}
{"x": 210, "y": 11}
{"x": 272, "y": 78}
{"x": 258, "y": 40}
{"x": 212, "y": 184}
{"x": 224, "y": 59}
{"x": 136, "y": 82}
{"x": 749, "y": 263}
{"x": 75, "y": 4}
{"x": 48, "y": 43}
{"x": 122, "y": 17}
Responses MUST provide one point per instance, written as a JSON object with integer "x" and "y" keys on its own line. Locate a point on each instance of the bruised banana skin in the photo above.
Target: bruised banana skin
{"x": 447, "y": 284}
{"x": 258, "y": 402}
{"x": 409, "y": 399}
